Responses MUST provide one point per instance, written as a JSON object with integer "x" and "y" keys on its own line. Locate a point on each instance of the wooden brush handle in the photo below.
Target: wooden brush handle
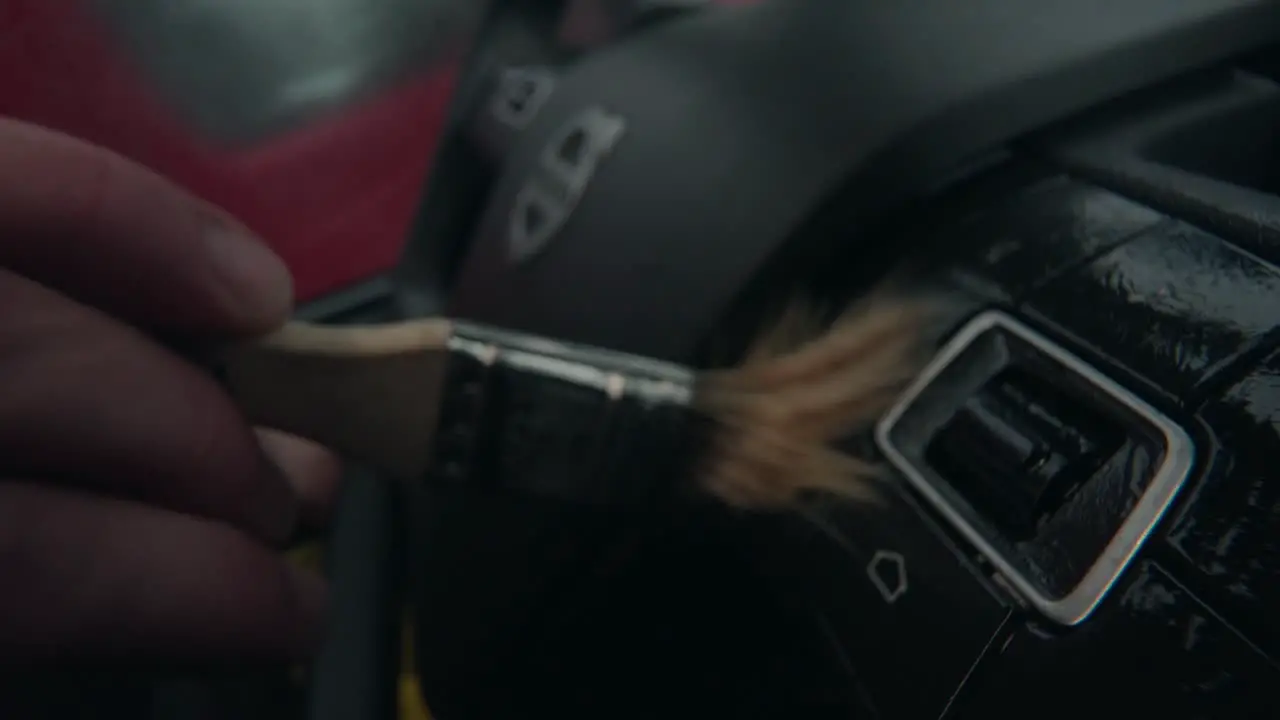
{"x": 440, "y": 399}
{"x": 372, "y": 393}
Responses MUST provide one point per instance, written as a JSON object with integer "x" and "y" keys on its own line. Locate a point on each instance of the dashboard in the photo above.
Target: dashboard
{"x": 1079, "y": 517}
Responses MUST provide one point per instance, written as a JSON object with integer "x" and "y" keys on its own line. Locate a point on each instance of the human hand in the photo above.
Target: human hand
{"x": 139, "y": 515}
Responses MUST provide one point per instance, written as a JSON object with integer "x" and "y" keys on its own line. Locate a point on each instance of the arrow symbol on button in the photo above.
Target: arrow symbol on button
{"x": 888, "y": 572}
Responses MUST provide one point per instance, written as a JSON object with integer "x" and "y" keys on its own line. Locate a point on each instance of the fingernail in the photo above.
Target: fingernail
{"x": 311, "y": 594}
{"x": 259, "y": 286}
{"x": 313, "y": 472}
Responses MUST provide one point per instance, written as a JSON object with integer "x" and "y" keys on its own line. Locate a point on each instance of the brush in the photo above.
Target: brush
{"x": 456, "y": 402}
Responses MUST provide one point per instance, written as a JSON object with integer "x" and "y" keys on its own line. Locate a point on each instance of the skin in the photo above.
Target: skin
{"x": 140, "y": 517}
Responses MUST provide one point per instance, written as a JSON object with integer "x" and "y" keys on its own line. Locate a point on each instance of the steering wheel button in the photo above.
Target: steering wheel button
{"x": 519, "y": 95}
{"x": 506, "y": 103}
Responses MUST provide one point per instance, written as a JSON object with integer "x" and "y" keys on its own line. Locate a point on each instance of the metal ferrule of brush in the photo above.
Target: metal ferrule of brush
{"x": 579, "y": 423}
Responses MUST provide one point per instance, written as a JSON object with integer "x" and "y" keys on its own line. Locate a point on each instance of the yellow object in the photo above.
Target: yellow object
{"x": 411, "y": 705}
{"x": 309, "y": 556}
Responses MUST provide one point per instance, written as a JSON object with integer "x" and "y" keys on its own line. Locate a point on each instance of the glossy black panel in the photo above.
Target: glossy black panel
{"x": 910, "y": 615}
{"x": 535, "y": 609}
{"x": 1175, "y": 305}
{"x": 1041, "y": 231}
{"x": 1202, "y": 150}
{"x": 1155, "y": 652}
{"x": 1230, "y": 529}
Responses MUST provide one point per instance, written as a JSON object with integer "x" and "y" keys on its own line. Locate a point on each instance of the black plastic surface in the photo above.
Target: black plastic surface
{"x": 1176, "y": 305}
{"x": 912, "y": 632}
{"x": 988, "y": 451}
{"x": 462, "y": 173}
{"x": 776, "y": 106}
{"x": 357, "y": 672}
{"x": 538, "y": 609}
{"x": 1019, "y": 447}
{"x": 78, "y": 695}
{"x": 1154, "y": 652}
{"x": 1230, "y": 531}
{"x": 1187, "y": 148}
{"x": 510, "y": 98}
{"x": 1037, "y": 232}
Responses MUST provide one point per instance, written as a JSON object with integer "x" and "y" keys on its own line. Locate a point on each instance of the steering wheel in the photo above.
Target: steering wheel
{"x": 642, "y": 195}
{"x": 513, "y": 65}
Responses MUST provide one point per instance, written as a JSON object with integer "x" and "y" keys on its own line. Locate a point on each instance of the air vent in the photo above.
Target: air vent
{"x": 1054, "y": 472}
{"x": 1020, "y": 449}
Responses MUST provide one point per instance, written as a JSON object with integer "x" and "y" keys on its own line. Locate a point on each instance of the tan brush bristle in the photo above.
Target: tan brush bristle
{"x": 801, "y": 389}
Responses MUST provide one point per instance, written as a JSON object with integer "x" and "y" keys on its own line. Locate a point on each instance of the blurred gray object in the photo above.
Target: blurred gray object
{"x": 240, "y": 70}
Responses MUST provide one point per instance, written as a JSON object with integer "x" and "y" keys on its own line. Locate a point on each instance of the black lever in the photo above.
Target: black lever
{"x": 1019, "y": 449}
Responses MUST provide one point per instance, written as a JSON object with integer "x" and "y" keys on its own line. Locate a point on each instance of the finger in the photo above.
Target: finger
{"x": 88, "y": 577}
{"x": 85, "y": 399}
{"x": 312, "y": 471}
{"x": 100, "y": 228}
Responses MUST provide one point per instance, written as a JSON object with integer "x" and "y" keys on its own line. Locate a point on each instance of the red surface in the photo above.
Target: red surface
{"x": 335, "y": 198}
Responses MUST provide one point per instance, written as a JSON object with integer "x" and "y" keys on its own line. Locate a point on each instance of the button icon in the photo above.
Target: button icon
{"x": 520, "y": 95}
{"x": 888, "y": 572}
{"x": 565, "y": 167}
